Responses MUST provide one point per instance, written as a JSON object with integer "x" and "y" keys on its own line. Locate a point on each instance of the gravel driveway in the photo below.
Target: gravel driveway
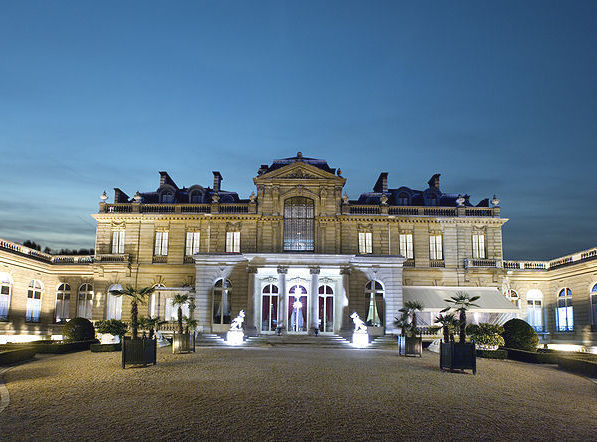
{"x": 292, "y": 393}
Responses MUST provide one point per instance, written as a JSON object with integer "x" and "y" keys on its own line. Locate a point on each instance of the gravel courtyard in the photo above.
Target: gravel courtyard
{"x": 290, "y": 394}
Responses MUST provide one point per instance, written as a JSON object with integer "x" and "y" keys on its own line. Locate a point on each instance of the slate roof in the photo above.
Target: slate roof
{"x": 277, "y": 164}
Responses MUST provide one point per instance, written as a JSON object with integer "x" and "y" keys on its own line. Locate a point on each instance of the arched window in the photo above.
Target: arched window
{"x": 375, "y": 292}
{"x": 62, "y": 303}
{"x": 535, "y": 309}
{"x": 221, "y": 304}
{"x": 326, "y": 308}
{"x": 34, "y": 292}
{"x": 5, "y": 294}
{"x": 594, "y": 305}
{"x": 85, "y": 301}
{"x": 297, "y": 309}
{"x": 513, "y": 297}
{"x": 269, "y": 308}
{"x": 196, "y": 197}
{"x": 299, "y": 225}
{"x": 564, "y": 314}
{"x": 114, "y": 304}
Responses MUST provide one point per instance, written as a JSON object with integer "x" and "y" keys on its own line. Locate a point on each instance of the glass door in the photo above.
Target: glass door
{"x": 326, "y": 309}
{"x": 269, "y": 308}
{"x": 297, "y": 309}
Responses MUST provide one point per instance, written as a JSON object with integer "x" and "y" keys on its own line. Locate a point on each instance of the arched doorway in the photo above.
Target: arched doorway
{"x": 297, "y": 309}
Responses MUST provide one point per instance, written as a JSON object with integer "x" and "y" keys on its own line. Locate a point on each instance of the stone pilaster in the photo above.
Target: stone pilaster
{"x": 314, "y": 299}
{"x": 344, "y": 298}
{"x": 283, "y": 298}
{"x": 250, "y": 316}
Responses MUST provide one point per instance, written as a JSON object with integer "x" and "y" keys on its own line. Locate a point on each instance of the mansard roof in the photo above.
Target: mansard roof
{"x": 277, "y": 164}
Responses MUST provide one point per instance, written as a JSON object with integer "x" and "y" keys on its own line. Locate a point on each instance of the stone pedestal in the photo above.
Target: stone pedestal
{"x": 235, "y": 337}
{"x": 360, "y": 339}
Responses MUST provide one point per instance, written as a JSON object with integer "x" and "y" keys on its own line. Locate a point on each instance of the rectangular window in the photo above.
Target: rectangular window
{"x": 232, "y": 242}
{"x": 479, "y": 246}
{"x": 365, "y": 242}
{"x": 435, "y": 247}
{"x": 117, "y": 241}
{"x": 5, "y": 289}
{"x": 62, "y": 306}
{"x": 406, "y": 245}
{"x": 535, "y": 314}
{"x": 85, "y": 305}
{"x": 161, "y": 244}
{"x": 594, "y": 308}
{"x": 564, "y": 315}
{"x": 192, "y": 243}
{"x": 33, "y": 306}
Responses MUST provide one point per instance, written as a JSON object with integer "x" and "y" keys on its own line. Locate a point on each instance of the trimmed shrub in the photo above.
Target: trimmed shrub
{"x": 78, "y": 329}
{"x": 12, "y": 356}
{"x": 486, "y": 334}
{"x": 492, "y": 354}
{"x": 580, "y": 366}
{"x": 532, "y": 356}
{"x": 63, "y": 347}
{"x": 99, "y": 348}
{"x": 520, "y": 335}
{"x": 112, "y": 327}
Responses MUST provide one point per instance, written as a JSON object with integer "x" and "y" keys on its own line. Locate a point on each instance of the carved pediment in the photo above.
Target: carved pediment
{"x": 298, "y": 171}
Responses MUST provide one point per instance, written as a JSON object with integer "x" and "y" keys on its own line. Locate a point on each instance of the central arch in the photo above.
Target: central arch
{"x": 299, "y": 224}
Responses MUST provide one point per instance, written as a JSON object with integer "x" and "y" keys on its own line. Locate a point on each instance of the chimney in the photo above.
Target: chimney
{"x": 217, "y": 180}
{"x": 120, "y": 196}
{"x": 434, "y": 181}
{"x": 165, "y": 179}
{"x": 381, "y": 186}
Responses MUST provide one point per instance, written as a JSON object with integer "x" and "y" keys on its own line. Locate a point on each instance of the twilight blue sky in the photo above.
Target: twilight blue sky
{"x": 498, "y": 97}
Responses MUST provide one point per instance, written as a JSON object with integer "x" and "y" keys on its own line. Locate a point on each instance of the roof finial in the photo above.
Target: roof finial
{"x": 299, "y": 155}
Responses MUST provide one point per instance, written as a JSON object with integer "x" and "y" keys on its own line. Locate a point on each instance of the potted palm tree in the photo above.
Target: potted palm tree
{"x": 151, "y": 325}
{"x": 135, "y": 350}
{"x": 461, "y": 355}
{"x": 181, "y": 342}
{"x": 409, "y": 344}
{"x": 448, "y": 323}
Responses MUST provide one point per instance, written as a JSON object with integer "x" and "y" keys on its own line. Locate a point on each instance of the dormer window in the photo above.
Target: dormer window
{"x": 167, "y": 197}
{"x": 403, "y": 199}
{"x": 196, "y": 198}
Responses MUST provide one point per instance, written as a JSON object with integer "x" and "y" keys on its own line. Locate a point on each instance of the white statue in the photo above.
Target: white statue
{"x": 237, "y": 323}
{"x": 359, "y": 325}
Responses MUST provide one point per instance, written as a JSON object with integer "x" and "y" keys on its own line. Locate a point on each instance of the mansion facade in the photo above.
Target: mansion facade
{"x": 299, "y": 256}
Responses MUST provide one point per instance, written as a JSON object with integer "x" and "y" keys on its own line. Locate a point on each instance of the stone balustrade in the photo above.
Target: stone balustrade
{"x": 44, "y": 257}
{"x": 585, "y": 255}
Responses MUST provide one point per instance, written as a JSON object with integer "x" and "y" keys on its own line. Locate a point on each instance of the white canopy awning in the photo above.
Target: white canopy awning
{"x": 433, "y": 298}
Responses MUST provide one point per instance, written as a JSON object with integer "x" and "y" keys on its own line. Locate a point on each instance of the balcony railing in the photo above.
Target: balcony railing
{"x": 482, "y": 263}
{"x": 576, "y": 258}
{"x": 177, "y": 208}
{"x": 437, "y": 263}
{"x": 160, "y": 259}
{"x": 362, "y": 209}
{"x": 44, "y": 257}
{"x": 112, "y": 258}
{"x": 409, "y": 263}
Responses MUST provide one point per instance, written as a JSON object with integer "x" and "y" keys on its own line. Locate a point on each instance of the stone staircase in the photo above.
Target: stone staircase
{"x": 387, "y": 341}
{"x": 209, "y": 340}
{"x": 322, "y": 341}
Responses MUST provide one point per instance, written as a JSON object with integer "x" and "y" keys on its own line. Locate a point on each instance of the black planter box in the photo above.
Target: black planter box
{"x": 183, "y": 343}
{"x": 410, "y": 346}
{"x": 456, "y": 356}
{"x": 141, "y": 351}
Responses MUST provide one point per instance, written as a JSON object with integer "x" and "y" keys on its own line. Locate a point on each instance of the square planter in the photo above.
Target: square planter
{"x": 183, "y": 343}
{"x": 410, "y": 346}
{"x": 141, "y": 351}
{"x": 456, "y": 356}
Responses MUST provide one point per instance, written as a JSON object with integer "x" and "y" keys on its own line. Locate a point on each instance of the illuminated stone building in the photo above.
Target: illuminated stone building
{"x": 298, "y": 254}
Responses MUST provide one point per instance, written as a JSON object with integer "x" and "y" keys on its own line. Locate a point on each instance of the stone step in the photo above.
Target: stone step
{"x": 384, "y": 342}
{"x": 333, "y": 341}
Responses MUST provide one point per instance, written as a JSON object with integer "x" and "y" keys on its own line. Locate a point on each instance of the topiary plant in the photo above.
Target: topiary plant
{"x": 520, "y": 335}
{"x": 486, "y": 336}
{"x": 78, "y": 329}
{"x": 112, "y": 326}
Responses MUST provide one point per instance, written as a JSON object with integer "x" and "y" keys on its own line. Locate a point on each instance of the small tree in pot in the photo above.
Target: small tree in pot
{"x": 409, "y": 344}
{"x": 152, "y": 325}
{"x": 448, "y": 324}
{"x": 181, "y": 342}
{"x": 461, "y": 303}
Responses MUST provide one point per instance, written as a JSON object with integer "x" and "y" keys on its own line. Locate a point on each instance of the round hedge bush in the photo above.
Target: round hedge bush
{"x": 520, "y": 335}
{"x": 78, "y": 329}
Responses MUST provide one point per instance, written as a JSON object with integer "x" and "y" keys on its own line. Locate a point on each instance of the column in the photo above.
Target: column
{"x": 282, "y": 298}
{"x": 314, "y": 299}
{"x": 250, "y": 317}
{"x": 344, "y": 299}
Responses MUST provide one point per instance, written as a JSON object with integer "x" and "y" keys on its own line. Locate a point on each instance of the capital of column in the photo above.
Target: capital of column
{"x": 314, "y": 270}
{"x": 251, "y": 269}
{"x": 282, "y": 269}
{"x": 345, "y": 271}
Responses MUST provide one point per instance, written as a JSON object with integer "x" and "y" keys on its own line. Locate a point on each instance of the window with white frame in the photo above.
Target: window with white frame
{"x": 406, "y": 245}
{"x": 114, "y": 304}
{"x": 512, "y": 296}
{"x": 5, "y": 293}
{"x": 375, "y": 313}
{"x": 62, "y": 303}
{"x": 221, "y": 301}
{"x": 365, "y": 242}
{"x": 535, "y": 309}
{"x": 479, "y": 246}
{"x": 85, "y": 301}
{"x": 161, "y": 243}
{"x": 117, "y": 241}
{"x": 192, "y": 243}
{"x": 232, "y": 242}
{"x": 435, "y": 247}
{"x": 34, "y": 292}
{"x": 564, "y": 313}
{"x": 594, "y": 305}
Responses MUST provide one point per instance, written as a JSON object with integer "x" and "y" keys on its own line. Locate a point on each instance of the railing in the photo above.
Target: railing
{"x": 582, "y": 256}
{"x": 112, "y": 258}
{"x": 157, "y": 208}
{"x": 175, "y": 208}
{"x": 403, "y": 211}
{"x": 364, "y": 210}
{"x": 526, "y": 265}
{"x": 431, "y": 330}
{"x": 160, "y": 259}
{"x": 119, "y": 208}
{"x": 195, "y": 208}
{"x": 436, "y": 211}
{"x": 189, "y": 260}
{"x": 478, "y": 211}
{"x": 45, "y": 257}
{"x": 437, "y": 263}
{"x": 409, "y": 263}
{"x": 483, "y": 263}
{"x": 234, "y": 208}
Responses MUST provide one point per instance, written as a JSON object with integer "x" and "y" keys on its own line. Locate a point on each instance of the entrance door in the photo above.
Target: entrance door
{"x": 297, "y": 309}
{"x": 326, "y": 309}
{"x": 269, "y": 308}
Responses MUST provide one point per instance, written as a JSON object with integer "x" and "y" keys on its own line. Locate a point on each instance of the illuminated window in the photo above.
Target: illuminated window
{"x": 564, "y": 313}
{"x": 34, "y": 292}
{"x": 221, "y": 301}
{"x": 62, "y": 303}
{"x": 479, "y": 246}
{"x": 299, "y": 224}
{"x": 406, "y": 245}
{"x": 435, "y": 247}
{"x": 171, "y": 311}
{"x": 375, "y": 292}
{"x": 365, "y": 242}
{"x": 161, "y": 244}
{"x": 5, "y": 293}
{"x": 85, "y": 301}
{"x": 114, "y": 304}
{"x": 232, "y": 242}
{"x": 117, "y": 241}
{"x": 535, "y": 309}
{"x": 594, "y": 304}
{"x": 326, "y": 308}
{"x": 192, "y": 243}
